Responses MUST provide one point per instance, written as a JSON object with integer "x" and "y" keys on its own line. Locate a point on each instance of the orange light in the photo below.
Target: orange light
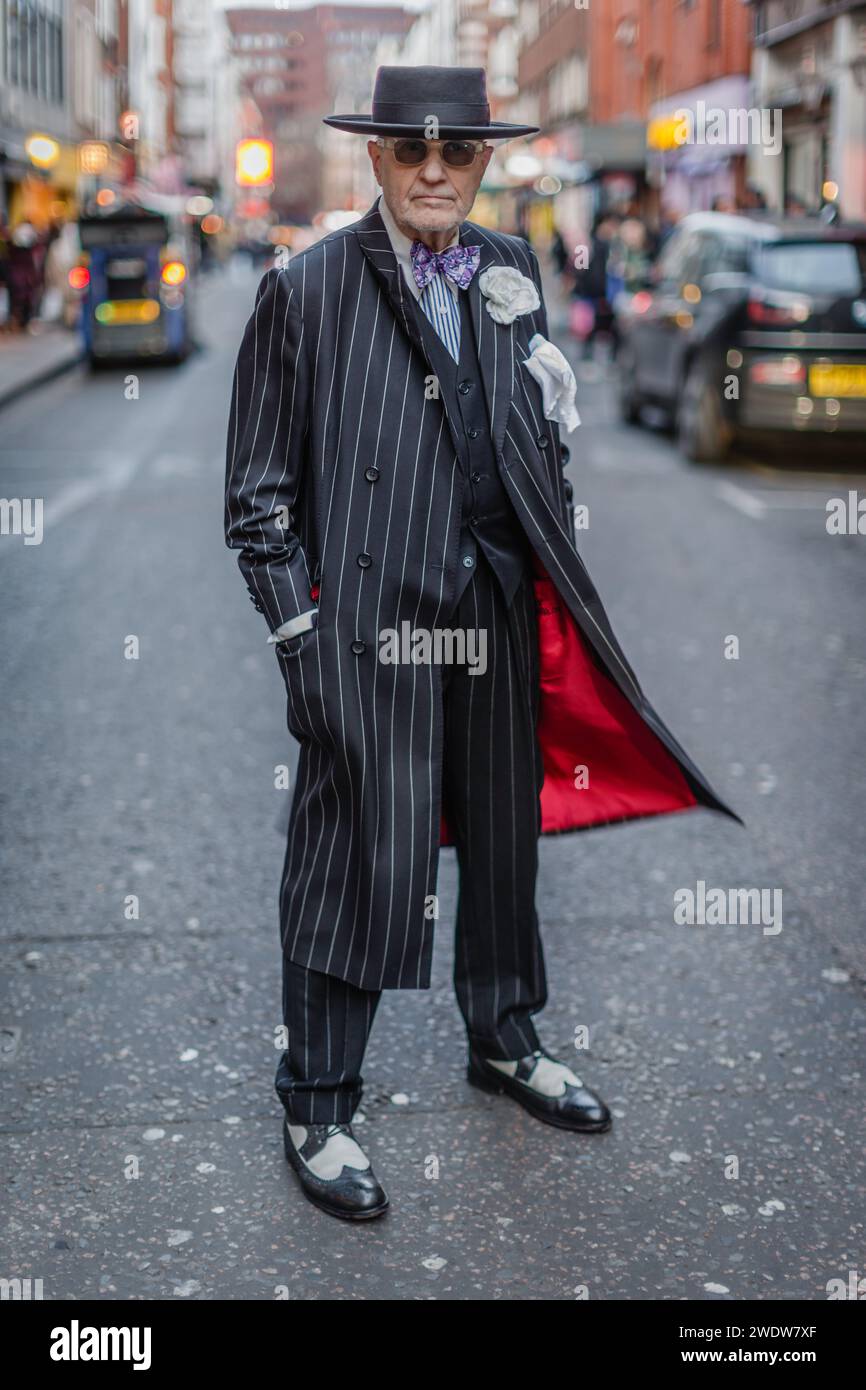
{"x": 127, "y": 311}
{"x": 105, "y": 197}
{"x": 173, "y": 273}
{"x": 42, "y": 150}
{"x": 254, "y": 162}
{"x": 93, "y": 156}
{"x": 79, "y": 277}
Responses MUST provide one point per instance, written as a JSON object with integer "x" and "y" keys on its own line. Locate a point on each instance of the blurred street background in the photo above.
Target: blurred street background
{"x": 162, "y": 154}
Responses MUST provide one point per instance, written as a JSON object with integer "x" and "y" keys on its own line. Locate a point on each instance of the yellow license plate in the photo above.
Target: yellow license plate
{"x": 113, "y": 311}
{"x": 826, "y": 380}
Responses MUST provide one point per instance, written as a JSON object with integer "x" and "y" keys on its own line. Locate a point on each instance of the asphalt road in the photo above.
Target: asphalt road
{"x": 141, "y": 1136}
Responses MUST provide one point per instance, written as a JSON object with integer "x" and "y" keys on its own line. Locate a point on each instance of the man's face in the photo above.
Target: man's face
{"x": 428, "y": 197}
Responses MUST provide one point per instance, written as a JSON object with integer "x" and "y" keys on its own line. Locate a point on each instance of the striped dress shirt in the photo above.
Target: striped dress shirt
{"x": 438, "y": 299}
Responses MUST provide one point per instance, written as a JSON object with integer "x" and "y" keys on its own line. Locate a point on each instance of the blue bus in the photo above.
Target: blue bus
{"x": 136, "y": 279}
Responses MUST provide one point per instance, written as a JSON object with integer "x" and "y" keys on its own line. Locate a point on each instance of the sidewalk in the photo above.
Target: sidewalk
{"x": 28, "y": 359}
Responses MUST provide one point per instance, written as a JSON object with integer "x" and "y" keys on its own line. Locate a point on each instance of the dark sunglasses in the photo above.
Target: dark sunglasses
{"x": 457, "y": 154}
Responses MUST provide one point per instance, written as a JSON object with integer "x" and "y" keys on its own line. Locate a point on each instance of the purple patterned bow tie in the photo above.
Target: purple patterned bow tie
{"x": 458, "y": 264}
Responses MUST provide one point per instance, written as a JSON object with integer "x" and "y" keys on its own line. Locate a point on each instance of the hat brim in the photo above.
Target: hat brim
{"x": 365, "y": 125}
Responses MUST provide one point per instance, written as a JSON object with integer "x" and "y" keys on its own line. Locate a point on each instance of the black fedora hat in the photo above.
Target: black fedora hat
{"x": 406, "y": 100}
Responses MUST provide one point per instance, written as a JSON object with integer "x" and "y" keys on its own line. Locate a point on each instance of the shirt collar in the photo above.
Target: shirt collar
{"x": 402, "y": 246}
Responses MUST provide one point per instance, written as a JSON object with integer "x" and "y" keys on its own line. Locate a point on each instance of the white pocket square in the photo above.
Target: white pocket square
{"x": 556, "y": 379}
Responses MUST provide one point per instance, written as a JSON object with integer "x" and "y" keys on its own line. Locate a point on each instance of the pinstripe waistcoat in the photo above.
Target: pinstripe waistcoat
{"x": 343, "y": 480}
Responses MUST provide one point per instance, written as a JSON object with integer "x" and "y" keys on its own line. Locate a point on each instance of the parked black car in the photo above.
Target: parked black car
{"x": 749, "y": 325}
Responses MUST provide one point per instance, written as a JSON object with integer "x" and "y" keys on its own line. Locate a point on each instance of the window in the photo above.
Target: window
{"x": 32, "y": 46}
{"x": 678, "y": 261}
{"x": 813, "y": 267}
{"x": 714, "y": 33}
{"x": 731, "y": 254}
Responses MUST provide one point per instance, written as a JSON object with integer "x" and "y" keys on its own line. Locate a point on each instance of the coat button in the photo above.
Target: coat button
{"x": 473, "y": 521}
{"x": 371, "y": 474}
{"x": 472, "y": 432}
{"x": 364, "y": 559}
{"x": 359, "y": 647}
{"x": 542, "y": 441}
{"x": 565, "y": 452}
{"x": 468, "y": 561}
{"x": 464, "y": 387}
{"x": 476, "y": 477}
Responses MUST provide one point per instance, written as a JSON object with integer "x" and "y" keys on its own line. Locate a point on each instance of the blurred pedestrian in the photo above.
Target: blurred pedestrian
{"x": 591, "y": 311}
{"x": 559, "y": 253}
{"x": 5, "y": 235}
{"x": 670, "y": 219}
{"x": 23, "y": 274}
{"x": 630, "y": 258}
{"x": 753, "y": 199}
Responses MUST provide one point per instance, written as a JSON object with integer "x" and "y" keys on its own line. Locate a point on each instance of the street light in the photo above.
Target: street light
{"x": 42, "y": 150}
{"x": 254, "y": 163}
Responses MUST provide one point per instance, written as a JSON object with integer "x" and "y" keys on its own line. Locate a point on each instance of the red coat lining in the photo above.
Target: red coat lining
{"x": 602, "y": 762}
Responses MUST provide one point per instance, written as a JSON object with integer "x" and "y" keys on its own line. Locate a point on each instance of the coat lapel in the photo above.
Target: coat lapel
{"x": 495, "y": 340}
{"x": 376, "y": 245}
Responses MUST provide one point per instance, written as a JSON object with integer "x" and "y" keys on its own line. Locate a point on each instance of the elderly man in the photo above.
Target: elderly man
{"x": 394, "y": 481}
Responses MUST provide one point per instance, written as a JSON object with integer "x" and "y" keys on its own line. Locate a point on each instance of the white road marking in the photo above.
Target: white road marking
{"x": 742, "y": 501}
{"x": 114, "y": 478}
{"x": 783, "y": 501}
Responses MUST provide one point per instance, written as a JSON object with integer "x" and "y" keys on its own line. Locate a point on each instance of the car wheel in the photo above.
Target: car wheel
{"x": 704, "y": 435}
{"x": 628, "y": 399}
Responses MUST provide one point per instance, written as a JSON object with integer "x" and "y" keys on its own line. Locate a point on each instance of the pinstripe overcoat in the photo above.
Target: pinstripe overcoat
{"x": 344, "y": 491}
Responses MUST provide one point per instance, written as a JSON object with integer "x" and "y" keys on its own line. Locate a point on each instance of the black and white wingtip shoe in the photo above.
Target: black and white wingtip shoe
{"x": 544, "y": 1086}
{"x": 333, "y": 1170}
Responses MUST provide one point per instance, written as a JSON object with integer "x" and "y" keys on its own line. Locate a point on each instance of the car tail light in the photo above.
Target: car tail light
{"x": 173, "y": 273}
{"x": 778, "y": 371}
{"x": 79, "y": 277}
{"x": 778, "y": 312}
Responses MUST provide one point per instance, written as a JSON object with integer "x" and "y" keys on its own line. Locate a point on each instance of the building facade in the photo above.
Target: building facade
{"x": 294, "y": 67}
{"x": 809, "y": 62}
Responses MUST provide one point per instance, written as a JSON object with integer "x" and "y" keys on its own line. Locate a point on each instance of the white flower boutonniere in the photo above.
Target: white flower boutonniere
{"x": 508, "y": 293}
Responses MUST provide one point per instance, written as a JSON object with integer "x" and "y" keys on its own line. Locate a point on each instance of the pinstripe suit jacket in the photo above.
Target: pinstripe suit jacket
{"x": 342, "y": 476}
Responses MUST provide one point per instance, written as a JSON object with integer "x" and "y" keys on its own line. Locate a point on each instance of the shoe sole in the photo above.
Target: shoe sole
{"x": 324, "y": 1205}
{"x": 493, "y": 1088}
{"x": 343, "y": 1215}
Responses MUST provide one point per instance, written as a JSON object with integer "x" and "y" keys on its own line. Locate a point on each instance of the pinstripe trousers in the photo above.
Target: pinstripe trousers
{"x": 491, "y": 779}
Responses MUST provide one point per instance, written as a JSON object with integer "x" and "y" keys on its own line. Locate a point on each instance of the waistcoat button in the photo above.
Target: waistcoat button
{"x": 359, "y": 647}
{"x": 364, "y": 559}
{"x": 371, "y": 474}
{"x": 464, "y": 387}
